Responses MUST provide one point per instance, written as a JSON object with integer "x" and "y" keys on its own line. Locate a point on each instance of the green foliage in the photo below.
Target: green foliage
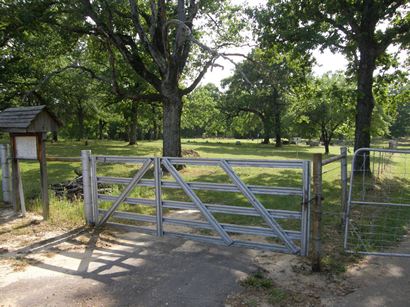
{"x": 277, "y": 295}
{"x": 351, "y": 27}
{"x": 258, "y": 280}
{"x": 260, "y": 86}
{"x": 50, "y": 53}
{"x": 392, "y": 94}
{"x": 324, "y": 107}
{"x": 201, "y": 115}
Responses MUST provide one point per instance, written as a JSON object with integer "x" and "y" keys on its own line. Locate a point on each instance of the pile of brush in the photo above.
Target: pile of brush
{"x": 73, "y": 190}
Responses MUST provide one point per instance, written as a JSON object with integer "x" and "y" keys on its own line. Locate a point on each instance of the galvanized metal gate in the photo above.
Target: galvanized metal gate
{"x": 378, "y": 213}
{"x": 150, "y": 175}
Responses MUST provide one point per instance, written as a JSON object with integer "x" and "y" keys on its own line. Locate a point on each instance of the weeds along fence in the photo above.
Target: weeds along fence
{"x": 60, "y": 170}
{"x": 329, "y": 207}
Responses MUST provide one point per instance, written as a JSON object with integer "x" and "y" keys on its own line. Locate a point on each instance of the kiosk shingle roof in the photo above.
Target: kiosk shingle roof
{"x": 22, "y": 118}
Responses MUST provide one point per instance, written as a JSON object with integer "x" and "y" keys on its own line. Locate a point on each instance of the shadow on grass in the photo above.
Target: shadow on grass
{"x": 73, "y": 149}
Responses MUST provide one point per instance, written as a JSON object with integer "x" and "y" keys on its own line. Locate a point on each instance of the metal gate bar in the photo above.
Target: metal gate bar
{"x": 205, "y": 212}
{"x": 224, "y": 187}
{"x": 214, "y": 208}
{"x": 277, "y": 229}
{"x": 270, "y": 216}
{"x": 126, "y": 191}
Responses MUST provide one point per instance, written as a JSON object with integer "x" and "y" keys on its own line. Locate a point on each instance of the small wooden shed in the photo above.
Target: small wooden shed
{"x": 28, "y": 127}
{"x": 28, "y": 120}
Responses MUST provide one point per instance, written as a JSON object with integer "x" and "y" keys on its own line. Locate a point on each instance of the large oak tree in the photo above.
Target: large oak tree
{"x": 156, "y": 39}
{"x": 361, "y": 29}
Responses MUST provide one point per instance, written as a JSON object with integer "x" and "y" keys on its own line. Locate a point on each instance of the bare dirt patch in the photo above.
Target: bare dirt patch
{"x": 17, "y": 232}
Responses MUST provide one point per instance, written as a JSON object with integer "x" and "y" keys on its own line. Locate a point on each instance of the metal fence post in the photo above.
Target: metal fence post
{"x": 158, "y": 197}
{"x": 88, "y": 209}
{"x": 5, "y": 173}
{"x": 305, "y": 229}
{"x": 343, "y": 177}
{"x": 317, "y": 212}
{"x": 94, "y": 190}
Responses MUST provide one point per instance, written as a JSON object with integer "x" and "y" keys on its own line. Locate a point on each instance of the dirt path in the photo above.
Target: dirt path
{"x": 42, "y": 266}
{"x": 383, "y": 281}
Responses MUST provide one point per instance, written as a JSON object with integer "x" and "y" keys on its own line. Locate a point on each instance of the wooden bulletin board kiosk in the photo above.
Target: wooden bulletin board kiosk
{"x": 28, "y": 127}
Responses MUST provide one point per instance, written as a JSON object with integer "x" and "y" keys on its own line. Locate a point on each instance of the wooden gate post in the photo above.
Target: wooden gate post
{"x": 317, "y": 212}
{"x": 344, "y": 180}
{"x": 5, "y": 173}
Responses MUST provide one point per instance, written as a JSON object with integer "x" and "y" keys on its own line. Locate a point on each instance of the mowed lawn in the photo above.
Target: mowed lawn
{"x": 63, "y": 171}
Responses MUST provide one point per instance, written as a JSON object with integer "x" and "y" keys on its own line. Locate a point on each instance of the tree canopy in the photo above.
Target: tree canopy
{"x": 132, "y": 69}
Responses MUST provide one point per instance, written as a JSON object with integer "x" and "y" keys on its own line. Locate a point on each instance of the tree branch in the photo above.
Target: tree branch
{"x": 199, "y": 77}
{"x": 157, "y": 57}
{"x": 121, "y": 42}
{"x": 393, "y": 34}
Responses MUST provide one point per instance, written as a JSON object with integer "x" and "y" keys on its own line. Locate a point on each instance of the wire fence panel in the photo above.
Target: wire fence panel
{"x": 379, "y": 203}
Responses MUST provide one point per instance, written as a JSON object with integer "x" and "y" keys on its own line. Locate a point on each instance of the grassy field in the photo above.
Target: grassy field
{"x": 71, "y": 213}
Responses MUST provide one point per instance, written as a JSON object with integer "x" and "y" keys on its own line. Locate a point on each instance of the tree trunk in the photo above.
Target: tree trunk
{"x": 132, "y": 133}
{"x": 267, "y": 129}
{"x": 278, "y": 128}
{"x": 156, "y": 123}
{"x": 101, "y": 125}
{"x": 364, "y": 106}
{"x": 325, "y": 138}
{"x": 55, "y": 136}
{"x": 326, "y": 142}
{"x": 172, "y": 126}
{"x": 80, "y": 117}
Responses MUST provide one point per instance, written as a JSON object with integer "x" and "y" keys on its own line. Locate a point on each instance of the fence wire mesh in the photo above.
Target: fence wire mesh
{"x": 332, "y": 216}
{"x": 379, "y": 206}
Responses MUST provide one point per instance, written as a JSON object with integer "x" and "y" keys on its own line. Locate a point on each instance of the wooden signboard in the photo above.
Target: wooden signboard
{"x": 26, "y": 147}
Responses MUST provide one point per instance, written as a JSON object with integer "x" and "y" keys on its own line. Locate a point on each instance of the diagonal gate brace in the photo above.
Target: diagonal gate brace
{"x": 195, "y": 199}
{"x": 277, "y": 229}
{"x": 137, "y": 177}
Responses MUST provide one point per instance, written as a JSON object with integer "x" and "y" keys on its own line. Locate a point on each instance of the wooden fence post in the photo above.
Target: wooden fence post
{"x": 344, "y": 180}
{"x": 43, "y": 175}
{"x": 5, "y": 173}
{"x": 317, "y": 212}
{"x": 15, "y": 200}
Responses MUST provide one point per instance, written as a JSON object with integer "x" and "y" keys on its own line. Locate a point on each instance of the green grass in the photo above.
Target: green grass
{"x": 257, "y": 280}
{"x": 207, "y": 148}
{"x": 266, "y": 286}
